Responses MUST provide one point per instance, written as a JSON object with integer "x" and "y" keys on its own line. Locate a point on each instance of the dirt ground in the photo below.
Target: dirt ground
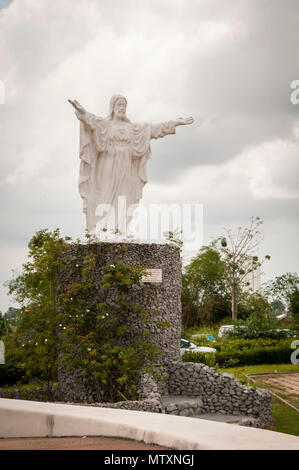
{"x": 75, "y": 443}
{"x": 285, "y": 385}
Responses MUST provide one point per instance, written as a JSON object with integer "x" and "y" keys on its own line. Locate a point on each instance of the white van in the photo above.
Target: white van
{"x": 224, "y": 329}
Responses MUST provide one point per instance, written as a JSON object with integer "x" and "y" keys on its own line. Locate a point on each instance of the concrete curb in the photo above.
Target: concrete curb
{"x": 21, "y": 418}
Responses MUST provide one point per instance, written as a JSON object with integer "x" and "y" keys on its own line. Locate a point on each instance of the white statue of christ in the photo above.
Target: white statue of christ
{"x": 114, "y": 152}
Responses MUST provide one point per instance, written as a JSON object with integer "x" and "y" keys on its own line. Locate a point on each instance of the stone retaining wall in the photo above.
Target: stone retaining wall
{"x": 220, "y": 392}
{"x": 186, "y": 406}
{"x": 195, "y": 389}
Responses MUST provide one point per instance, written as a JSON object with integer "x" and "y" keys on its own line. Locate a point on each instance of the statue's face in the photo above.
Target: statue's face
{"x": 120, "y": 108}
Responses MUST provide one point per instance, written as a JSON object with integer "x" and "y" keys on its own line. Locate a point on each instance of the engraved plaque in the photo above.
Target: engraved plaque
{"x": 153, "y": 275}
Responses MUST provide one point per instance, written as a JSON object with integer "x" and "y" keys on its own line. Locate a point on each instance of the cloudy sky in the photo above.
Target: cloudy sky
{"x": 228, "y": 63}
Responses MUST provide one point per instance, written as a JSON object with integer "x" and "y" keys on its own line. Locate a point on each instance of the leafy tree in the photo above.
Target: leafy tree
{"x": 175, "y": 237}
{"x": 253, "y": 302}
{"x": 203, "y": 288}
{"x": 12, "y": 315}
{"x": 283, "y": 288}
{"x": 257, "y": 325}
{"x": 277, "y": 307}
{"x": 35, "y": 289}
{"x": 5, "y": 327}
{"x": 294, "y": 305}
{"x": 238, "y": 252}
{"x": 221, "y": 270}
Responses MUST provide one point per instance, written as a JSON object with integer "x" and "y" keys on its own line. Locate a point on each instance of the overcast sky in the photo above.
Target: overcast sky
{"x": 228, "y": 63}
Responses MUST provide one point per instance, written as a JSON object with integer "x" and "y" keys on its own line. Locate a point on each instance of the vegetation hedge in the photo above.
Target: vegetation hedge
{"x": 242, "y": 352}
{"x": 10, "y": 375}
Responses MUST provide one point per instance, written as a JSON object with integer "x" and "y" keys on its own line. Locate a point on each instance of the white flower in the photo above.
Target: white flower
{"x": 87, "y": 310}
{"x": 23, "y": 345}
{"x": 64, "y": 327}
{"x": 36, "y": 344}
{"x": 77, "y": 265}
{"x": 46, "y": 340}
{"x": 88, "y": 349}
{"x": 112, "y": 266}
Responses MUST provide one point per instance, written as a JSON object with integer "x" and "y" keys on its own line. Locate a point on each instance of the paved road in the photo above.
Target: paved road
{"x": 75, "y": 443}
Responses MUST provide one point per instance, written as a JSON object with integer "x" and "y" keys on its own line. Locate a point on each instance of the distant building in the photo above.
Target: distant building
{"x": 252, "y": 280}
{"x": 12, "y": 313}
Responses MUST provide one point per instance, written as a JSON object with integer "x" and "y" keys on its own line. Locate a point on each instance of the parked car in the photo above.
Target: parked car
{"x": 286, "y": 332}
{"x": 187, "y": 346}
{"x": 225, "y": 329}
{"x": 204, "y": 335}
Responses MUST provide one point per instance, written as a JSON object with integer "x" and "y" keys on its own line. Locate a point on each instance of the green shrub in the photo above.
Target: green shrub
{"x": 242, "y": 352}
{"x": 10, "y": 375}
{"x": 36, "y": 390}
{"x": 227, "y": 321}
{"x": 200, "y": 357}
{"x": 209, "y": 359}
{"x": 256, "y": 326}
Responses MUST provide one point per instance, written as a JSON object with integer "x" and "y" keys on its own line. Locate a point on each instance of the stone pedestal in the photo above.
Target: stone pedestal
{"x": 163, "y": 297}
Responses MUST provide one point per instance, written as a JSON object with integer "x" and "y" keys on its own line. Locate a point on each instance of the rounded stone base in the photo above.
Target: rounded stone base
{"x": 160, "y": 297}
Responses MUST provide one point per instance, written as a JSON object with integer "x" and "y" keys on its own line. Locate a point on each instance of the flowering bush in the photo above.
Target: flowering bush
{"x": 96, "y": 335}
{"x": 92, "y": 335}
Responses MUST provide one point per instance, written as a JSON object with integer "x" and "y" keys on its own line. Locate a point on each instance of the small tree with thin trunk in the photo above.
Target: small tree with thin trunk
{"x": 238, "y": 250}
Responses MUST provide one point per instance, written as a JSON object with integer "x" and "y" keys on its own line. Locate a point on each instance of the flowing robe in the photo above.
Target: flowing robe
{"x": 113, "y": 163}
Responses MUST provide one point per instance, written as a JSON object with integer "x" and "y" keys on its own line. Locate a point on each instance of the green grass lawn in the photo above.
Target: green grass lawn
{"x": 286, "y": 419}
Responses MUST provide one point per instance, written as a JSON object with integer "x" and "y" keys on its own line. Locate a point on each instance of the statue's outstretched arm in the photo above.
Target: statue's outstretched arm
{"x": 184, "y": 121}
{"x": 78, "y": 107}
{"x": 84, "y": 116}
{"x": 168, "y": 127}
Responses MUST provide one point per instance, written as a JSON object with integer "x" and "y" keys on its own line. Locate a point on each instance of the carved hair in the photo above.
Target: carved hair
{"x": 113, "y": 101}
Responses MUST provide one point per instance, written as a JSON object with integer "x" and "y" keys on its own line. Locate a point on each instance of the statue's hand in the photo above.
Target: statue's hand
{"x": 184, "y": 121}
{"x": 77, "y": 106}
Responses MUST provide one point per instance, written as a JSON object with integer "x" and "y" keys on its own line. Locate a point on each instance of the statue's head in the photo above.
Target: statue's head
{"x": 118, "y": 107}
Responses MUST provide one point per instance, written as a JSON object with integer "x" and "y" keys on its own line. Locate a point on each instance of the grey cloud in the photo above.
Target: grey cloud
{"x": 240, "y": 92}
{"x": 220, "y": 140}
